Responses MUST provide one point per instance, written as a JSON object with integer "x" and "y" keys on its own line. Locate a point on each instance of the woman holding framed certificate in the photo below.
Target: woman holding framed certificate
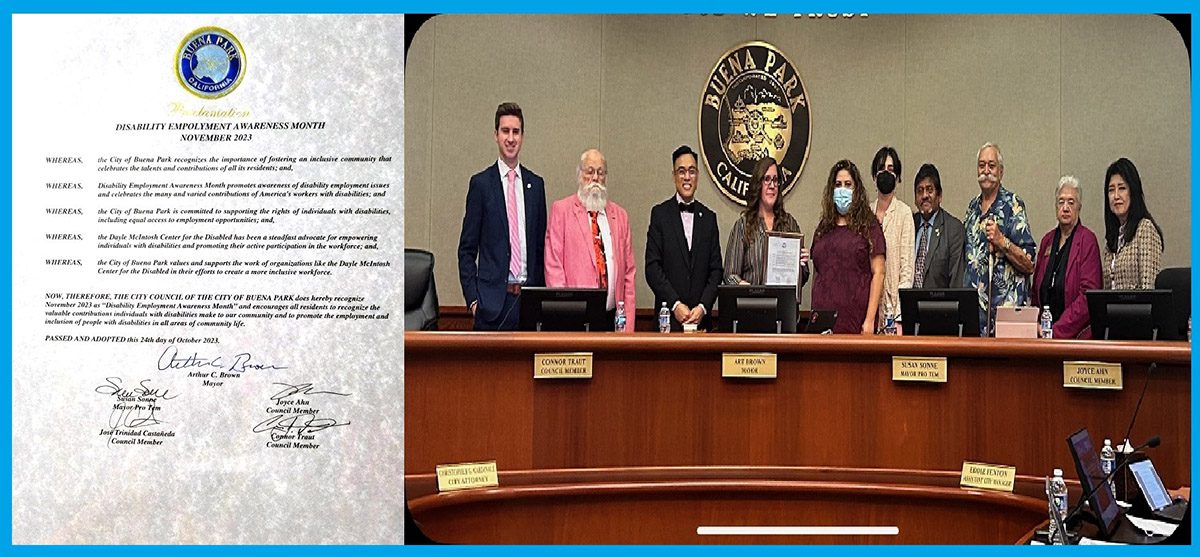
{"x": 746, "y": 250}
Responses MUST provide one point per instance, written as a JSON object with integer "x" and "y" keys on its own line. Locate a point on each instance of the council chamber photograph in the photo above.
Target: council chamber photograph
{"x": 797, "y": 279}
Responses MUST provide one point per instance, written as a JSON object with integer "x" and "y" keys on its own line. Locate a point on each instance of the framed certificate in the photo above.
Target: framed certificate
{"x": 783, "y": 257}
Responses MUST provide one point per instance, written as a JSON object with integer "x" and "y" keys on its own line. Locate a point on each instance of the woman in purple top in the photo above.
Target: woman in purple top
{"x": 848, "y": 253}
{"x": 1068, "y": 265}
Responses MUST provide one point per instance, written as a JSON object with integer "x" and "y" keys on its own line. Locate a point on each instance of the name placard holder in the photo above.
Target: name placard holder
{"x": 994, "y": 477}
{"x": 749, "y": 365}
{"x": 911, "y": 368}
{"x": 562, "y": 365}
{"x": 1092, "y": 375}
{"x": 470, "y": 475}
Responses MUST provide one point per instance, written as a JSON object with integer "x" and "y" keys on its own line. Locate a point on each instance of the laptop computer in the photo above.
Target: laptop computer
{"x": 1017, "y": 322}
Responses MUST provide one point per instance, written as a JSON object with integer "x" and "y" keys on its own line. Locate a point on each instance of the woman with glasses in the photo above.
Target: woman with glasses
{"x": 848, "y": 253}
{"x": 745, "y": 253}
{"x": 1133, "y": 242}
{"x": 1068, "y": 265}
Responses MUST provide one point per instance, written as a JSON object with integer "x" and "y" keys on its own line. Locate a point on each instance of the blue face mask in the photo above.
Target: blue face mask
{"x": 842, "y": 198}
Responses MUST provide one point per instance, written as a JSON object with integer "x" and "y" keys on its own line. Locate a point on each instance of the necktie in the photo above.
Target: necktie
{"x": 598, "y": 244}
{"x": 687, "y": 208}
{"x": 514, "y": 233}
{"x": 919, "y": 269}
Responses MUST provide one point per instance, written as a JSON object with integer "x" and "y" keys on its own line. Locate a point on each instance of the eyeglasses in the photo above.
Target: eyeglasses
{"x": 1068, "y": 202}
{"x": 689, "y": 171}
{"x": 595, "y": 172}
{"x": 772, "y": 180}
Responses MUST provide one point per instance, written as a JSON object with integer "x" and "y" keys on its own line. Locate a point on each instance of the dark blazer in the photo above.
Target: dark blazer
{"x": 483, "y": 250}
{"x": 1083, "y": 274}
{"x": 945, "y": 259}
{"x": 675, "y": 273}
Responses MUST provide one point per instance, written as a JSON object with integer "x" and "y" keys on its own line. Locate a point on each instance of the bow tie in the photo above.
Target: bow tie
{"x": 687, "y": 208}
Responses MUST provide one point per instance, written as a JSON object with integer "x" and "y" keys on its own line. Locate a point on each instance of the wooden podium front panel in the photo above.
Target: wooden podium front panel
{"x": 660, "y": 400}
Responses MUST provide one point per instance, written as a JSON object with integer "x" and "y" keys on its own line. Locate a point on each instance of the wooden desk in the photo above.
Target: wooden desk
{"x": 659, "y": 401}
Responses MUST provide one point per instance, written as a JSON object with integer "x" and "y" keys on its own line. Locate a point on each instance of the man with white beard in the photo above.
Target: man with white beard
{"x": 1000, "y": 247}
{"x": 588, "y": 242}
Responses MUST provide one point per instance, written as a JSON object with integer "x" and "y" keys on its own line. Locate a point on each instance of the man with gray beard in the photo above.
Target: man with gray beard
{"x": 588, "y": 242}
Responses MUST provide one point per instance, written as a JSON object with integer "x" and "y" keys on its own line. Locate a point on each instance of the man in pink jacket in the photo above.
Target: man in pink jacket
{"x": 587, "y": 240}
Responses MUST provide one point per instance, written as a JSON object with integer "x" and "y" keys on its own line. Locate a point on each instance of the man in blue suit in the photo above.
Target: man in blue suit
{"x": 503, "y": 231}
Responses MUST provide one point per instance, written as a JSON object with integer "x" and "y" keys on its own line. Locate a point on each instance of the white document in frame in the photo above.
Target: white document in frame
{"x": 207, "y": 316}
{"x": 783, "y": 258}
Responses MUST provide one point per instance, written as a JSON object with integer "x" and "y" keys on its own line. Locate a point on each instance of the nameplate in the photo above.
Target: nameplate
{"x": 472, "y": 475}
{"x": 1092, "y": 375}
{"x": 988, "y": 476}
{"x": 932, "y": 370}
{"x": 564, "y": 365}
{"x": 752, "y": 365}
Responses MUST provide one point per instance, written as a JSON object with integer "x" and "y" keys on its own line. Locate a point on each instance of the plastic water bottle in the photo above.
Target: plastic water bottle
{"x": 1108, "y": 459}
{"x": 1057, "y": 504}
{"x": 619, "y": 320}
{"x": 664, "y": 319}
{"x": 889, "y": 321}
{"x": 1047, "y": 323}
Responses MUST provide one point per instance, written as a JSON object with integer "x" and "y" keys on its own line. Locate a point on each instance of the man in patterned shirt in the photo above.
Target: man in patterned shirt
{"x": 1000, "y": 248}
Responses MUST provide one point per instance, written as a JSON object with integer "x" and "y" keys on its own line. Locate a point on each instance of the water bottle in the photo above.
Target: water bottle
{"x": 1057, "y": 504}
{"x": 1108, "y": 459}
{"x": 664, "y": 319}
{"x": 1047, "y": 323}
{"x": 619, "y": 320}
{"x": 889, "y": 321}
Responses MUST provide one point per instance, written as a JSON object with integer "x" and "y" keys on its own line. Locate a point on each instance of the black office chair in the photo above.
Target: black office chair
{"x": 1179, "y": 281}
{"x": 420, "y": 293}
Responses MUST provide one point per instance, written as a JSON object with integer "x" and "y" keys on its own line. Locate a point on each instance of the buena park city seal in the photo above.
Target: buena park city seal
{"x": 210, "y": 62}
{"x": 753, "y": 106}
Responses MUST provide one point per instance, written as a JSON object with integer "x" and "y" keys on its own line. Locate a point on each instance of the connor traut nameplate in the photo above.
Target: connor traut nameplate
{"x": 754, "y": 105}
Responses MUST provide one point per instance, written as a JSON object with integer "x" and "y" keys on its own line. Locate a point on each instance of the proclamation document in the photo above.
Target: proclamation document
{"x": 207, "y": 279}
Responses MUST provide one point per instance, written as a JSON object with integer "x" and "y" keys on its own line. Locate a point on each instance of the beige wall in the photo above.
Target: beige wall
{"x": 1060, "y": 94}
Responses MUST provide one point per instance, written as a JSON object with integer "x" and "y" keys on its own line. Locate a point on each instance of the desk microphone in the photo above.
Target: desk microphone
{"x": 1152, "y": 443}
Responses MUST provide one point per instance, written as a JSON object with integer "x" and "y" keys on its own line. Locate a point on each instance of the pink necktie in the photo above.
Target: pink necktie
{"x": 514, "y": 233}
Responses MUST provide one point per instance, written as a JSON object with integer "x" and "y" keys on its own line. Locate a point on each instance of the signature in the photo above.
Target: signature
{"x": 300, "y": 424}
{"x": 303, "y": 389}
{"x": 113, "y": 387}
{"x": 137, "y": 406}
{"x": 171, "y": 359}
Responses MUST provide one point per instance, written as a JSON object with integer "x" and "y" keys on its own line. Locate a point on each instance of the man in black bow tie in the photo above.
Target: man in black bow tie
{"x": 683, "y": 249}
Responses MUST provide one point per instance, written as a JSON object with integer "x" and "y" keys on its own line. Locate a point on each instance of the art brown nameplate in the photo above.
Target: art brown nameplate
{"x": 564, "y": 365}
{"x": 994, "y": 477}
{"x": 748, "y": 365}
{"x": 471, "y": 475}
{"x": 907, "y": 368}
{"x": 1092, "y": 375}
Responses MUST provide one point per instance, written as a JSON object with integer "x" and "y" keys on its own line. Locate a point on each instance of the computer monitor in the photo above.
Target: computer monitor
{"x": 564, "y": 309}
{"x": 940, "y": 311}
{"x": 1131, "y": 314}
{"x": 756, "y": 309}
{"x": 1087, "y": 465}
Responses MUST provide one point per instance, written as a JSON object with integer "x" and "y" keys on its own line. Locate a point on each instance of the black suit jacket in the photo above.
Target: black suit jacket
{"x": 676, "y": 273}
{"x": 945, "y": 259}
{"x": 483, "y": 250}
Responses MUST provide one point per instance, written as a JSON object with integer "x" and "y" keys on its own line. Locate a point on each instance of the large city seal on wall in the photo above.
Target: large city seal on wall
{"x": 753, "y": 106}
{"x": 210, "y": 62}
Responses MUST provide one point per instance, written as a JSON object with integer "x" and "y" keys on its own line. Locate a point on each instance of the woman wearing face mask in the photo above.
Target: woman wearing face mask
{"x": 848, "y": 253}
{"x": 1133, "y": 242}
{"x": 745, "y": 252}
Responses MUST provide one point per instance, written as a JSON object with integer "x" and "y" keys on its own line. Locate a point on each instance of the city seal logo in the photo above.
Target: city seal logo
{"x": 210, "y": 62}
{"x": 753, "y": 106}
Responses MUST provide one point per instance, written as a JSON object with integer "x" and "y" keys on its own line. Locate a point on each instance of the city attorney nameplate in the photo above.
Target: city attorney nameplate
{"x": 1092, "y": 375}
{"x": 472, "y": 475}
{"x": 988, "y": 476}
{"x": 933, "y": 370}
{"x": 565, "y": 365}
{"x": 751, "y": 365}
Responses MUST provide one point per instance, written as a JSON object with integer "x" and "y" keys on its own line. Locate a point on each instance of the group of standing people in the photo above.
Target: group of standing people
{"x": 863, "y": 251}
